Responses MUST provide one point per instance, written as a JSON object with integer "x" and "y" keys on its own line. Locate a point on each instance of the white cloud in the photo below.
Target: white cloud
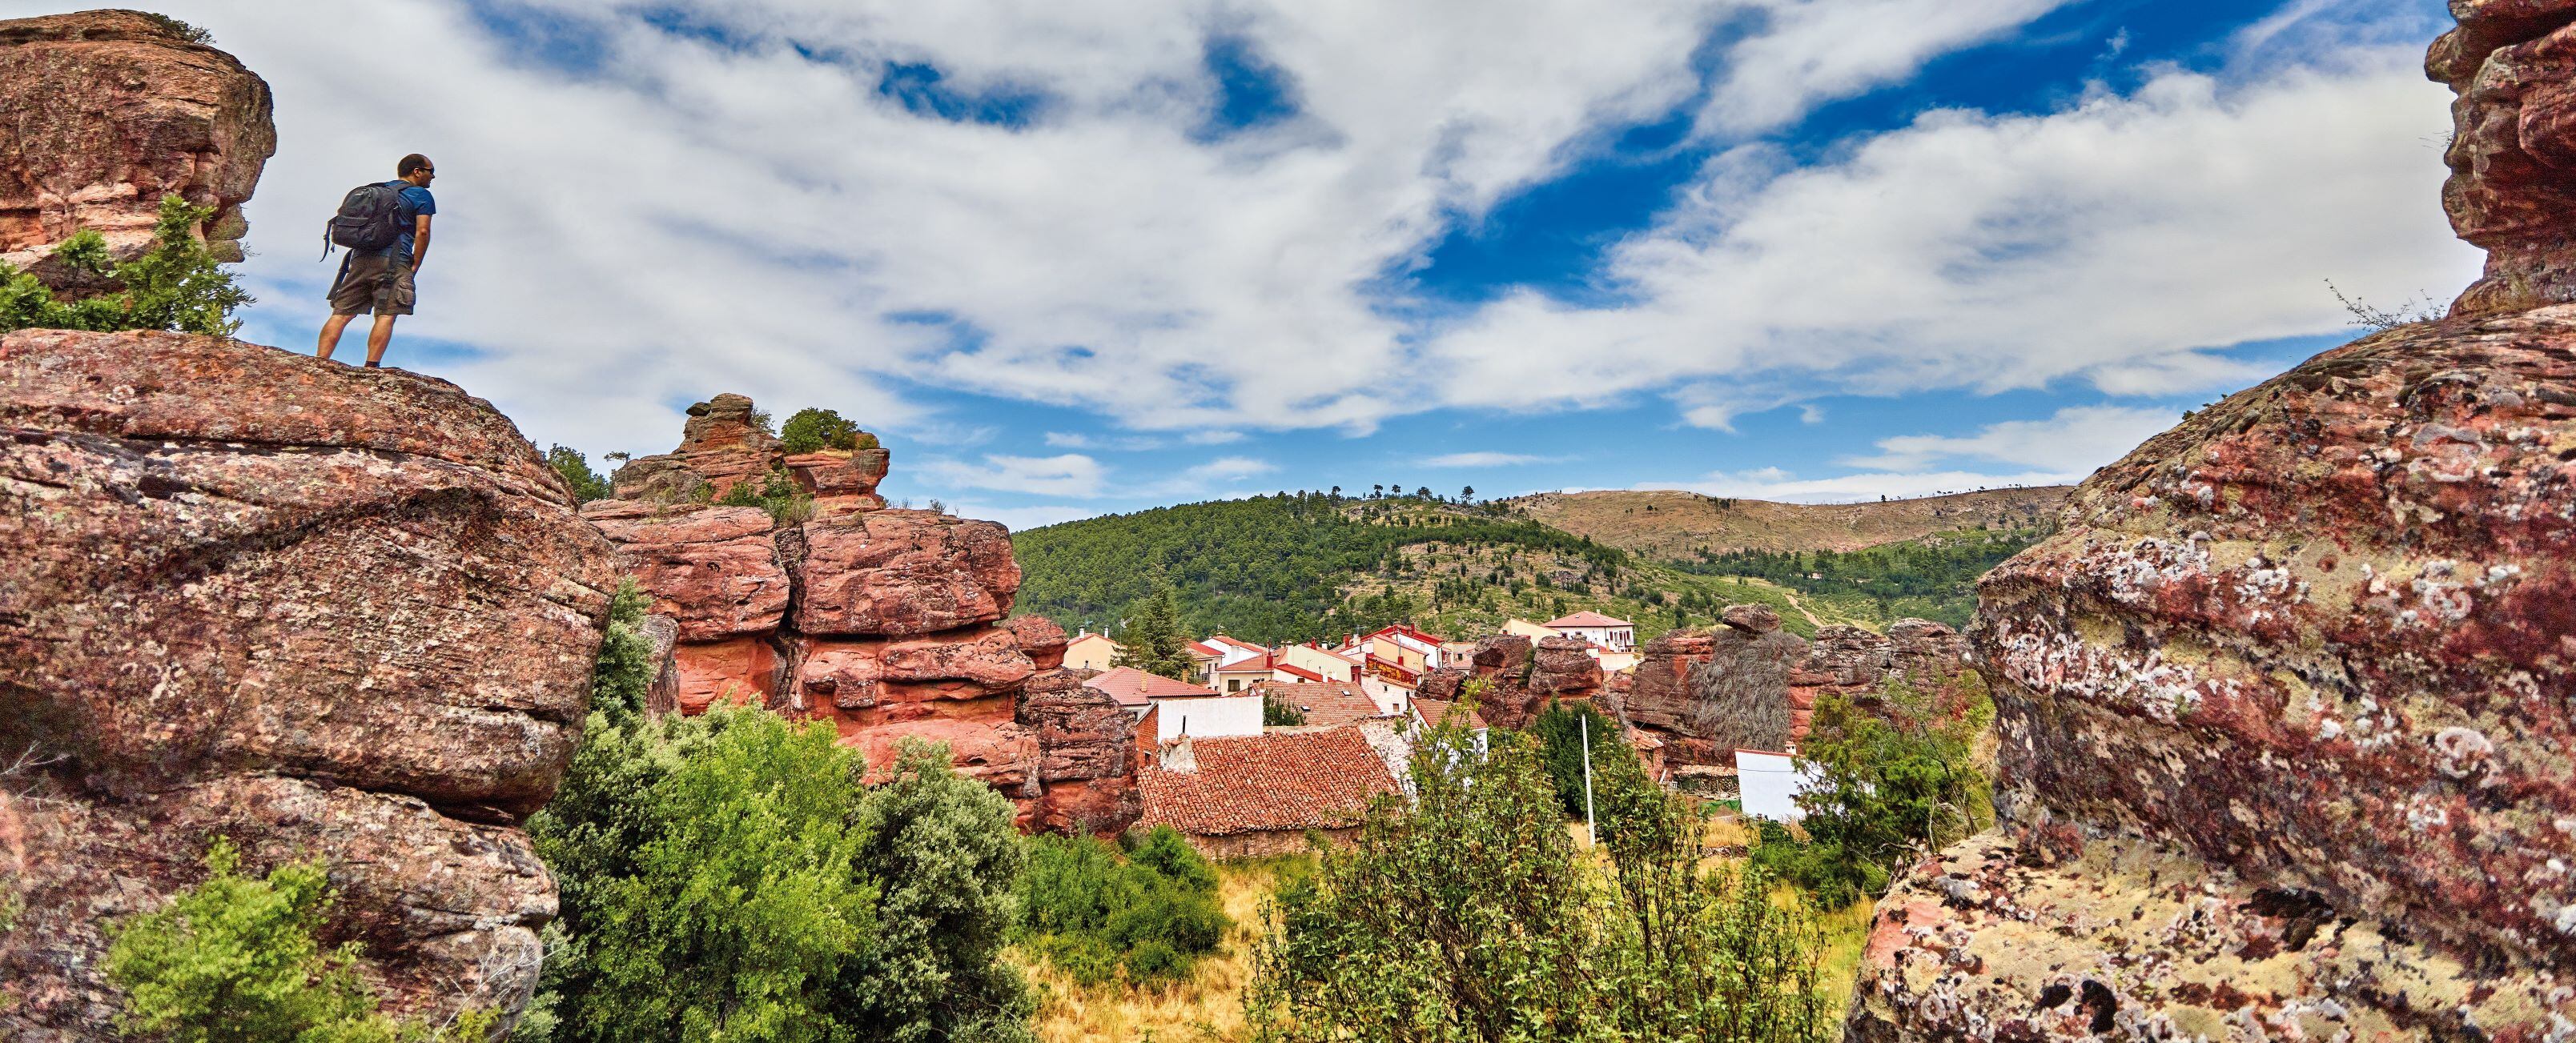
{"x": 675, "y": 217}
{"x": 2114, "y": 243}
{"x": 1813, "y": 51}
{"x": 2073, "y": 441}
{"x": 1071, "y": 474}
{"x": 679, "y": 217}
{"x": 1018, "y": 519}
{"x": 1110, "y": 443}
{"x": 1229, "y": 469}
{"x": 1811, "y": 413}
{"x": 1771, "y": 483}
{"x": 1485, "y": 460}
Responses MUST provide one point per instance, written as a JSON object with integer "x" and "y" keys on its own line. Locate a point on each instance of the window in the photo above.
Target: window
{"x": 1233, "y": 685}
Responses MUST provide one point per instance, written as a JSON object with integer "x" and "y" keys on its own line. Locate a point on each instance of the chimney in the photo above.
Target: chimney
{"x": 1177, "y": 756}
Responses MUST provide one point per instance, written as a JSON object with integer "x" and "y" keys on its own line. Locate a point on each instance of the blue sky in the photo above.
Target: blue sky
{"x": 1085, "y": 258}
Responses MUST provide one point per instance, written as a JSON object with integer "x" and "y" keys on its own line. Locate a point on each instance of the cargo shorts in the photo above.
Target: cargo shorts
{"x": 381, "y": 282}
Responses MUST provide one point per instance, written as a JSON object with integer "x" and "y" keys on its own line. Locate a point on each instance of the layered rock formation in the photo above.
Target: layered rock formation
{"x": 2512, "y": 153}
{"x": 108, "y": 112}
{"x": 321, "y": 610}
{"x": 2287, "y": 749}
{"x": 1519, "y": 677}
{"x": 724, "y": 445}
{"x": 888, "y": 623}
{"x": 1750, "y": 684}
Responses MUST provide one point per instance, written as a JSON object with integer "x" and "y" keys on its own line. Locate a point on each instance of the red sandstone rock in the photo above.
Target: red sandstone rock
{"x": 108, "y": 112}
{"x": 226, "y": 557}
{"x": 742, "y": 671}
{"x": 902, "y": 573}
{"x": 720, "y": 446}
{"x": 1083, "y": 731}
{"x": 842, "y": 483}
{"x": 959, "y": 664}
{"x": 2512, "y": 189}
{"x": 2315, "y": 639}
{"x": 713, "y": 569}
{"x": 1040, "y": 638}
{"x": 320, "y": 609}
{"x": 1562, "y": 668}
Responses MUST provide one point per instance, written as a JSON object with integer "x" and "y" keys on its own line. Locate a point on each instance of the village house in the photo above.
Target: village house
{"x": 1617, "y": 635}
{"x": 1611, "y": 642}
{"x": 1175, "y": 708}
{"x": 1332, "y": 704}
{"x": 1257, "y": 795}
{"x": 1241, "y": 674}
{"x": 1090, "y": 651}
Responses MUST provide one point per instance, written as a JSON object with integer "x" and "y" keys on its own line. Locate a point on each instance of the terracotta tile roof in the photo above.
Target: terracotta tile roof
{"x": 1296, "y": 671}
{"x": 1433, "y": 711}
{"x": 1278, "y": 781}
{"x": 1326, "y": 705}
{"x": 1134, "y": 687}
{"x": 1204, "y": 651}
{"x": 1586, "y": 619}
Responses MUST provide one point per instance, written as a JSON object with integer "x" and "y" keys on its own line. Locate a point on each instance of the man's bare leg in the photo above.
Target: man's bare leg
{"x": 331, "y": 328}
{"x": 378, "y": 337}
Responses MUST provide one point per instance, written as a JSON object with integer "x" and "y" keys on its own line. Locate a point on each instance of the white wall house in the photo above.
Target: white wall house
{"x": 1614, "y": 634}
{"x": 1768, "y": 784}
{"x": 1207, "y": 717}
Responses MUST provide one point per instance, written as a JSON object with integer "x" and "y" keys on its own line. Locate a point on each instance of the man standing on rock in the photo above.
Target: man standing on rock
{"x": 381, "y": 279}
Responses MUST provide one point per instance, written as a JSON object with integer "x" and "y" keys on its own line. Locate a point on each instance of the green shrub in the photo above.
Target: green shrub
{"x": 1890, "y": 785}
{"x": 777, "y": 492}
{"x": 810, "y": 430}
{"x": 1095, "y": 915}
{"x": 234, "y": 960}
{"x": 1471, "y": 915}
{"x": 176, "y": 285}
{"x": 727, "y": 877}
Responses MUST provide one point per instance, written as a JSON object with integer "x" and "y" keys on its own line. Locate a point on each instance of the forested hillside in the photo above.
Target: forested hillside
{"x": 1303, "y": 566}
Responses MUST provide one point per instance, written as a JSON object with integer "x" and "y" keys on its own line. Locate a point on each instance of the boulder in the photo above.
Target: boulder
{"x": 721, "y": 445}
{"x": 1040, "y": 638}
{"x": 108, "y": 112}
{"x": 1562, "y": 668}
{"x": 714, "y": 570}
{"x": 1750, "y": 619}
{"x": 228, "y": 558}
{"x": 2313, "y": 646}
{"x": 319, "y": 609}
{"x": 2512, "y": 154}
{"x": 900, "y": 573}
{"x": 1082, "y": 731}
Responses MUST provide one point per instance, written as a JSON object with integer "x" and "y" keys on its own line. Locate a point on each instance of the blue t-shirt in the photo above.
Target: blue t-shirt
{"x": 415, "y": 202}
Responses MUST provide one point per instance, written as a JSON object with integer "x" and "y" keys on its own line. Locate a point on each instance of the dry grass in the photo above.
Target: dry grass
{"x": 1207, "y": 1007}
{"x": 1681, "y": 522}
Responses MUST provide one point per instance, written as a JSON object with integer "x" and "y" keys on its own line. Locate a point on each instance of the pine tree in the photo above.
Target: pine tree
{"x": 1153, "y": 642}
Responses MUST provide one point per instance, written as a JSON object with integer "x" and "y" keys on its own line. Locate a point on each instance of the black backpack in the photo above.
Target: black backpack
{"x": 370, "y": 219}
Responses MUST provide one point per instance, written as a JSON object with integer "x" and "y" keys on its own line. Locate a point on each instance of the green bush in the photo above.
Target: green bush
{"x": 1471, "y": 915}
{"x": 1891, "y": 785}
{"x": 176, "y": 285}
{"x": 727, "y": 877}
{"x": 1095, "y": 915}
{"x": 777, "y": 492}
{"x": 811, "y": 430}
{"x": 234, "y": 960}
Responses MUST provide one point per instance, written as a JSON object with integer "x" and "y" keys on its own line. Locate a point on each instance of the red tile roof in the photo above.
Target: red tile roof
{"x": 1325, "y": 705}
{"x": 1586, "y": 618}
{"x": 1134, "y": 687}
{"x": 1296, "y": 671}
{"x": 1278, "y": 781}
{"x": 1198, "y": 649}
{"x": 1433, "y": 711}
